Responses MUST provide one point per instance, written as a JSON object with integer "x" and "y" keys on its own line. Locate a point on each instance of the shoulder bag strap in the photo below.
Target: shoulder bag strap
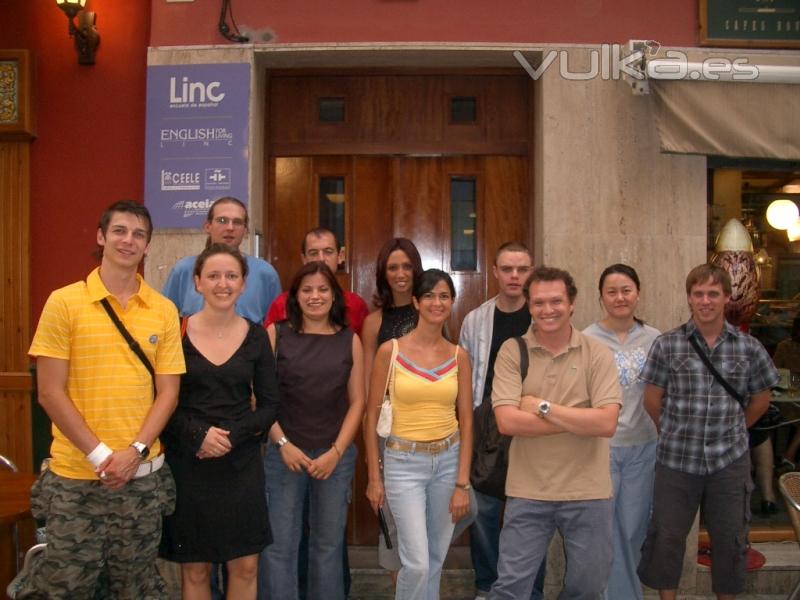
{"x": 707, "y": 362}
{"x": 184, "y": 324}
{"x": 132, "y": 343}
{"x": 524, "y": 358}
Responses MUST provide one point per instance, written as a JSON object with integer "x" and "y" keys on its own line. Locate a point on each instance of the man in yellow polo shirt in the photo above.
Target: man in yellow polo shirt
{"x": 107, "y": 486}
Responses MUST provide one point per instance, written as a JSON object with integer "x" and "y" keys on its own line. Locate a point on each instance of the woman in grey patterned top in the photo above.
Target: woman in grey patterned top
{"x": 633, "y": 447}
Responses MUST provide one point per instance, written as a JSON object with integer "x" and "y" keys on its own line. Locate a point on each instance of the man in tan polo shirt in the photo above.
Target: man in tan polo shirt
{"x": 560, "y": 418}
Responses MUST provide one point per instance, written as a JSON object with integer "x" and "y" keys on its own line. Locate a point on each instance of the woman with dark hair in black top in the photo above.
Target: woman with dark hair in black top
{"x": 396, "y": 270}
{"x": 321, "y": 382}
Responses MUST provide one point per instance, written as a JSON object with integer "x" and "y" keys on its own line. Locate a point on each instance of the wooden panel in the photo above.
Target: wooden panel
{"x": 289, "y": 217}
{"x": 398, "y": 114}
{"x": 506, "y": 208}
{"x": 16, "y": 129}
{"x": 15, "y": 418}
{"x": 371, "y": 220}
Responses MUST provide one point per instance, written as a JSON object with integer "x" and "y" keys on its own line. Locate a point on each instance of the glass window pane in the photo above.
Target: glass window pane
{"x": 332, "y": 201}
{"x": 463, "y": 109}
{"x": 463, "y": 253}
{"x": 331, "y": 110}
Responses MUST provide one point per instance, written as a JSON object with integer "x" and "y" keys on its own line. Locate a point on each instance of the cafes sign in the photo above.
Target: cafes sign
{"x": 750, "y": 23}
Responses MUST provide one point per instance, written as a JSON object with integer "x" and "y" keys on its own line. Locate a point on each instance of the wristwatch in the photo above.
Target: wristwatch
{"x": 282, "y": 441}
{"x": 464, "y": 486}
{"x": 142, "y": 449}
{"x": 544, "y": 409}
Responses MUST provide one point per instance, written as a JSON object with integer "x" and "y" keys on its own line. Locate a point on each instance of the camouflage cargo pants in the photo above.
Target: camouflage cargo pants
{"x": 101, "y": 543}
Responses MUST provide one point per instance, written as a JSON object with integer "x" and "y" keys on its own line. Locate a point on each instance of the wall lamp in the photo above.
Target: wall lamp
{"x": 85, "y": 33}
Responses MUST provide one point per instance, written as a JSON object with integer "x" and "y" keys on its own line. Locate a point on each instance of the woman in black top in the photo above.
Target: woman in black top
{"x": 397, "y": 268}
{"x": 213, "y": 439}
{"x": 320, "y": 370}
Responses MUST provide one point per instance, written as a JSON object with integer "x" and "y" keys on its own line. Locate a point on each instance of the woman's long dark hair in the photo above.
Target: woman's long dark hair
{"x": 620, "y": 269}
{"x": 338, "y": 314}
{"x": 383, "y": 297}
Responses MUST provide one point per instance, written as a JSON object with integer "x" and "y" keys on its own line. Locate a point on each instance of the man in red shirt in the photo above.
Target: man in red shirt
{"x": 320, "y": 244}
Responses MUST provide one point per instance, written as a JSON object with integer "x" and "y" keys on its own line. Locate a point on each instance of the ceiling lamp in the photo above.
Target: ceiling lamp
{"x": 781, "y": 214}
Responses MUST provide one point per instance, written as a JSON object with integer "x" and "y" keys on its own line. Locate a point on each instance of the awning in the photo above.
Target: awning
{"x": 733, "y": 119}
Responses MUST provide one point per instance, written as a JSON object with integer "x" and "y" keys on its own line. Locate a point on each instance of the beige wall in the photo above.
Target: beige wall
{"x": 605, "y": 194}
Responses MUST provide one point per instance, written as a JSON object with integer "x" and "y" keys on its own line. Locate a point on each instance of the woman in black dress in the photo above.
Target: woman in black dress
{"x": 213, "y": 438}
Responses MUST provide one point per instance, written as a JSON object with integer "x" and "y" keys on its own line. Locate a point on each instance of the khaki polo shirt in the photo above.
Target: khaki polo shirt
{"x": 564, "y": 466}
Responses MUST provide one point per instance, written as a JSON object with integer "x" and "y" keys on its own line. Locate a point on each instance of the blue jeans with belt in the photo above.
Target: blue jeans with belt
{"x": 327, "y": 518}
{"x": 419, "y": 486}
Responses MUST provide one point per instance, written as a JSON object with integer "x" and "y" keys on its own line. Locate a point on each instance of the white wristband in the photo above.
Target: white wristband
{"x": 99, "y": 455}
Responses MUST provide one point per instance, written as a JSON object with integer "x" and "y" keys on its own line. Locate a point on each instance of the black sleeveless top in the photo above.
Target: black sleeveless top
{"x": 313, "y": 372}
{"x": 396, "y": 322}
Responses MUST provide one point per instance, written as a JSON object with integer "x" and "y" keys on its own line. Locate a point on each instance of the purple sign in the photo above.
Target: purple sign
{"x": 196, "y": 148}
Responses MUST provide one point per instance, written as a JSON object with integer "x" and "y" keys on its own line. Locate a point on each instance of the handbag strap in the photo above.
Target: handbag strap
{"x": 707, "y": 362}
{"x": 132, "y": 343}
{"x": 395, "y": 350}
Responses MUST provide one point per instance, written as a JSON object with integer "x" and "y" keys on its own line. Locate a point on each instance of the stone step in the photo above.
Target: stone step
{"x": 773, "y": 581}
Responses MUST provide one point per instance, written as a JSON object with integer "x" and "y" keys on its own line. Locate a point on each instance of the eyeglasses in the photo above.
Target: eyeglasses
{"x": 225, "y": 220}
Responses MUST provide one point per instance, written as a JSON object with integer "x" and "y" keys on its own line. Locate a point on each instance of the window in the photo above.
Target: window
{"x": 463, "y": 109}
{"x": 463, "y": 246}
{"x": 331, "y": 110}
{"x": 332, "y": 202}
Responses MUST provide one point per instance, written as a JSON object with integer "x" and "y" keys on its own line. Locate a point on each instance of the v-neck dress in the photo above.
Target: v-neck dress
{"x": 221, "y": 509}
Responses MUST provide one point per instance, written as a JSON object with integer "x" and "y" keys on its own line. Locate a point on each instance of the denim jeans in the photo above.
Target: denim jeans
{"x": 484, "y": 546}
{"x": 419, "y": 487}
{"x": 633, "y": 469}
{"x": 327, "y": 520}
{"x": 529, "y": 526}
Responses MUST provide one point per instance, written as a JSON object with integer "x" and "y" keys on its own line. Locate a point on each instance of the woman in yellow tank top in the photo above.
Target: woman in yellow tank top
{"x": 428, "y": 453}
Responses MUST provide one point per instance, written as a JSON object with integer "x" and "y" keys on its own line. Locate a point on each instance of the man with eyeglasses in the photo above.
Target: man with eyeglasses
{"x": 320, "y": 244}
{"x": 483, "y": 332}
{"x": 226, "y": 224}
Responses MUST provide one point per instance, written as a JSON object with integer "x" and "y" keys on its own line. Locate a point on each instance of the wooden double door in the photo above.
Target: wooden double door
{"x": 456, "y": 209}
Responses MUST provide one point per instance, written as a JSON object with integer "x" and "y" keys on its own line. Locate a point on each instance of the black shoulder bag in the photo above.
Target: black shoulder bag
{"x": 770, "y": 419}
{"x": 132, "y": 343}
{"x": 490, "y": 447}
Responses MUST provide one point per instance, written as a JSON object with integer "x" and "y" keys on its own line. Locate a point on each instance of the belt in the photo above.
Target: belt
{"x": 424, "y": 447}
{"x": 149, "y": 467}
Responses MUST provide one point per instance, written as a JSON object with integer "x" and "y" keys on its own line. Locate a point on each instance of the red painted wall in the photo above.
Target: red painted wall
{"x": 526, "y": 21}
{"x": 90, "y": 124}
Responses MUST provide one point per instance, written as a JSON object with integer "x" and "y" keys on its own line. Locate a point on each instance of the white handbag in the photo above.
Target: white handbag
{"x": 384, "y": 427}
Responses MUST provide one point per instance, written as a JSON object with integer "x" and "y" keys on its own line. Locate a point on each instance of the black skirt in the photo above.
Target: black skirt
{"x": 221, "y": 508}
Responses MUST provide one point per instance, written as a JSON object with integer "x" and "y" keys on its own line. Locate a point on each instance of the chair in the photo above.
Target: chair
{"x": 9, "y": 464}
{"x": 789, "y": 484}
{"x": 30, "y": 556}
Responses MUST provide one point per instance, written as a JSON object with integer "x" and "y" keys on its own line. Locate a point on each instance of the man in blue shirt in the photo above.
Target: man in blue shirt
{"x": 226, "y": 224}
